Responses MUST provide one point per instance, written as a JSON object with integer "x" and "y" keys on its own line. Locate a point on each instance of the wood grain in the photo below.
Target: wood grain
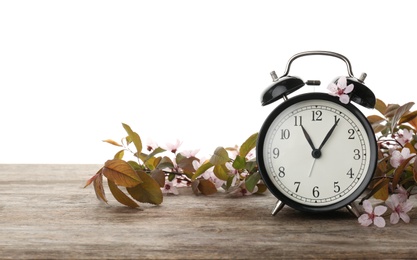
{"x": 46, "y": 213}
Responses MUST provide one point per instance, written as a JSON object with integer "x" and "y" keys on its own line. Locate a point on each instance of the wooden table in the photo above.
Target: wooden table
{"x": 46, "y": 213}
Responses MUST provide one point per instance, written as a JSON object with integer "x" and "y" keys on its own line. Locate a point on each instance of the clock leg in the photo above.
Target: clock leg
{"x": 277, "y": 207}
{"x": 353, "y": 209}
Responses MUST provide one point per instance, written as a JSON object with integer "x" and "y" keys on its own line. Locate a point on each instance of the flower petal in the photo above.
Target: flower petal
{"x": 349, "y": 88}
{"x": 405, "y": 217}
{"x": 394, "y": 218}
{"x": 344, "y": 99}
{"x": 341, "y": 82}
{"x": 364, "y": 220}
{"x": 406, "y": 206}
{"x": 379, "y": 210}
{"x": 379, "y": 222}
{"x": 332, "y": 88}
{"x": 367, "y": 206}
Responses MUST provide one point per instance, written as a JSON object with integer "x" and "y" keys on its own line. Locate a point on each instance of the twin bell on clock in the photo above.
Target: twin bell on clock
{"x": 317, "y": 152}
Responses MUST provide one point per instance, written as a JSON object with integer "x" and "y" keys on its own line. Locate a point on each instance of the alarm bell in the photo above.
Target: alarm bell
{"x": 286, "y": 84}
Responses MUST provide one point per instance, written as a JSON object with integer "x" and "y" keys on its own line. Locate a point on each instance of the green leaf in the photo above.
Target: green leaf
{"x": 121, "y": 173}
{"x": 248, "y": 145}
{"x": 251, "y": 181}
{"x": 239, "y": 163}
{"x": 202, "y": 169}
{"x": 165, "y": 163}
{"x": 221, "y": 172}
{"x": 220, "y": 156}
{"x": 229, "y": 182}
{"x": 251, "y": 166}
{"x": 148, "y": 191}
{"x": 120, "y": 196}
{"x": 145, "y": 157}
{"x": 134, "y": 137}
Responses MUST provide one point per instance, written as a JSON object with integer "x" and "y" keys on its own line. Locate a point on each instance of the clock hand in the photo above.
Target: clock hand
{"x": 328, "y": 134}
{"x": 307, "y": 136}
{"x": 312, "y": 167}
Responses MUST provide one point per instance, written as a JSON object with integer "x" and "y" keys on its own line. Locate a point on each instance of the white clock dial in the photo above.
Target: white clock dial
{"x": 316, "y": 153}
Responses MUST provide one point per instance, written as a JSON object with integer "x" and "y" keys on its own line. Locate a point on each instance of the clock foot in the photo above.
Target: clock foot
{"x": 277, "y": 207}
{"x": 353, "y": 209}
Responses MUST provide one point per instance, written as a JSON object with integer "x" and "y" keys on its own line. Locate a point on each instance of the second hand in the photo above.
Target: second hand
{"x": 312, "y": 167}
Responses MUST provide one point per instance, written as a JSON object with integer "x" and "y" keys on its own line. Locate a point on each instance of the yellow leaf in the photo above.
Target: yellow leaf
{"x": 382, "y": 193}
{"x": 220, "y": 156}
{"x": 248, "y": 145}
{"x": 159, "y": 176}
{"x": 399, "y": 171}
{"x": 94, "y": 177}
{"x": 261, "y": 188}
{"x": 119, "y": 154}
{"x": 207, "y": 187}
{"x": 121, "y": 173}
{"x": 413, "y": 123}
{"x": 221, "y": 172}
{"x": 120, "y": 196}
{"x": 194, "y": 186}
{"x": 112, "y": 142}
{"x": 134, "y": 137}
{"x": 148, "y": 191}
{"x": 390, "y": 110}
{"x": 375, "y": 119}
{"x": 380, "y": 106}
{"x": 186, "y": 164}
{"x": 408, "y": 117}
{"x": 202, "y": 169}
{"x": 99, "y": 189}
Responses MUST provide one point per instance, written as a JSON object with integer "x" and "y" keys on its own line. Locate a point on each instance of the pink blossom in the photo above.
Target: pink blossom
{"x": 401, "y": 193}
{"x": 398, "y": 157}
{"x": 209, "y": 174}
{"x": 399, "y": 209}
{"x": 151, "y": 145}
{"x": 341, "y": 90}
{"x": 190, "y": 153}
{"x": 404, "y": 136}
{"x": 372, "y": 216}
{"x": 173, "y": 147}
{"x": 241, "y": 190}
{"x": 169, "y": 188}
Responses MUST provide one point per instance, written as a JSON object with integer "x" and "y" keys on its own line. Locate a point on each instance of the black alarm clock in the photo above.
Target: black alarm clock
{"x": 315, "y": 151}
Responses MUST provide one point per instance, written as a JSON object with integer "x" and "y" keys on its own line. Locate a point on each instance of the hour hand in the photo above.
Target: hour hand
{"x": 308, "y": 138}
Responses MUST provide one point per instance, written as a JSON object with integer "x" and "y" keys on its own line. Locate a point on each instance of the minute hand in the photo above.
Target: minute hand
{"x": 328, "y": 134}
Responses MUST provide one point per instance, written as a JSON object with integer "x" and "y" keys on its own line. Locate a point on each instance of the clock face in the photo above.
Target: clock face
{"x": 315, "y": 153}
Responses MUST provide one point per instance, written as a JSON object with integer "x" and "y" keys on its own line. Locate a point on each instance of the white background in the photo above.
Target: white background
{"x": 72, "y": 71}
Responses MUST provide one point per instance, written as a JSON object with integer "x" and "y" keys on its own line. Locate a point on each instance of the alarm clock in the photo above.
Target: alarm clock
{"x": 315, "y": 151}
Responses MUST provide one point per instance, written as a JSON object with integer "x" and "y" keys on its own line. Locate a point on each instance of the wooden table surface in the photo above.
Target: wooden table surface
{"x": 46, "y": 213}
